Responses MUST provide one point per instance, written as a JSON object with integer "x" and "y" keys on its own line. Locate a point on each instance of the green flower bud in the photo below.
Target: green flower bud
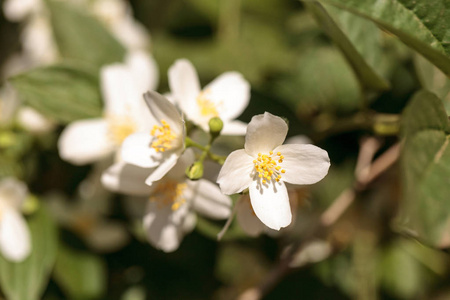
{"x": 195, "y": 171}
{"x": 215, "y": 126}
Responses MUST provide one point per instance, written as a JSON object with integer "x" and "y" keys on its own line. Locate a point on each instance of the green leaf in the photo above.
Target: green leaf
{"x": 359, "y": 40}
{"x": 81, "y": 275}
{"x": 81, "y": 37}
{"x": 433, "y": 79}
{"x": 27, "y": 280}
{"x": 61, "y": 92}
{"x": 425, "y": 111}
{"x": 423, "y": 25}
{"x": 425, "y": 163}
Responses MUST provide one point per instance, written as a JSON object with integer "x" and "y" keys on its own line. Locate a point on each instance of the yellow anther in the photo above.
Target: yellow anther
{"x": 163, "y": 137}
{"x": 266, "y": 167}
{"x": 281, "y": 157}
{"x": 283, "y": 171}
{"x": 169, "y": 193}
{"x": 207, "y": 107}
{"x": 120, "y": 127}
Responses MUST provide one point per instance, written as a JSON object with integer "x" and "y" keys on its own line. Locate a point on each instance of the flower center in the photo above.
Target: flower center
{"x": 207, "y": 107}
{"x": 120, "y": 127}
{"x": 267, "y": 166}
{"x": 169, "y": 193}
{"x": 163, "y": 137}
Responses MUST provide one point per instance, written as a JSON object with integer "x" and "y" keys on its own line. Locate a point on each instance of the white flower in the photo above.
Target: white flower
{"x": 159, "y": 147}
{"x": 170, "y": 210}
{"x": 87, "y": 141}
{"x": 226, "y": 97}
{"x": 265, "y": 164}
{"x": 15, "y": 241}
{"x": 33, "y": 121}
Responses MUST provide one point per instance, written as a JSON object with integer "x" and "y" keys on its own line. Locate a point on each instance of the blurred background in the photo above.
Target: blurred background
{"x": 297, "y": 71}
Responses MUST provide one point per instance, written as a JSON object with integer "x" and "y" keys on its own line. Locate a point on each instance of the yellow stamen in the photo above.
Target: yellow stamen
{"x": 120, "y": 127}
{"x": 169, "y": 193}
{"x": 207, "y": 107}
{"x": 266, "y": 167}
{"x": 163, "y": 137}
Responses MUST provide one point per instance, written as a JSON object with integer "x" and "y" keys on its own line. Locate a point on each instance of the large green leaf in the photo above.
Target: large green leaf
{"x": 62, "y": 92}
{"x": 27, "y": 280}
{"x": 425, "y": 161}
{"x": 81, "y": 275}
{"x": 358, "y": 39}
{"x": 81, "y": 37}
{"x": 424, "y": 25}
{"x": 433, "y": 79}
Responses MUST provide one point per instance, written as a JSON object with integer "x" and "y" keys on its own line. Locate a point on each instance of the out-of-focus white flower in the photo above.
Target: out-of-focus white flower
{"x": 33, "y": 121}
{"x": 86, "y": 141}
{"x": 37, "y": 41}
{"x": 170, "y": 212}
{"x": 18, "y": 10}
{"x": 265, "y": 164}
{"x": 161, "y": 146}
{"x": 15, "y": 240}
{"x": 225, "y": 97}
{"x": 118, "y": 17}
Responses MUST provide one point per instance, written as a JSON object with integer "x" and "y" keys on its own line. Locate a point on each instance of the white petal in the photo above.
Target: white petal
{"x": 130, "y": 33}
{"x": 136, "y": 150}
{"x": 119, "y": 90}
{"x": 247, "y": 219}
{"x": 17, "y": 10}
{"x": 264, "y": 133}
{"x": 164, "y": 228}
{"x": 177, "y": 172}
{"x": 189, "y": 222}
{"x": 169, "y": 160}
{"x": 15, "y": 241}
{"x": 33, "y": 121}
{"x": 86, "y": 141}
{"x": 231, "y": 93}
{"x": 271, "y": 204}
{"x": 208, "y": 200}
{"x": 13, "y": 192}
{"x": 235, "y": 175}
{"x": 127, "y": 179}
{"x": 185, "y": 86}
{"x": 143, "y": 69}
{"x": 163, "y": 109}
{"x": 304, "y": 164}
{"x": 234, "y": 128}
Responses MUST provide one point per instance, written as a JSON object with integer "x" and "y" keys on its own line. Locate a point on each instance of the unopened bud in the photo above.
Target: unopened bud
{"x": 195, "y": 171}
{"x": 215, "y": 126}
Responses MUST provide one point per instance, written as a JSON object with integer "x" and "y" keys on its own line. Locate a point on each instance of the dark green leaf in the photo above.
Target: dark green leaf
{"x": 27, "y": 280}
{"x": 62, "y": 92}
{"x": 423, "y": 25}
{"x": 359, "y": 40}
{"x": 80, "y": 274}
{"x": 81, "y": 37}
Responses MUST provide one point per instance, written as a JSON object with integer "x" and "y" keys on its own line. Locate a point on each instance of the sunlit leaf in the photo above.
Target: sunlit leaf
{"x": 61, "y": 92}
{"x": 424, "y": 25}
{"x": 27, "y": 280}
{"x": 433, "y": 79}
{"x": 425, "y": 163}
